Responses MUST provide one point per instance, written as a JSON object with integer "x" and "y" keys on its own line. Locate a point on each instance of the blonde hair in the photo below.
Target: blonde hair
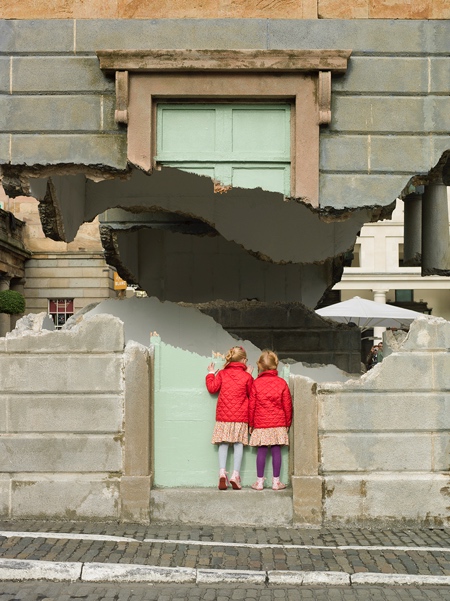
{"x": 237, "y": 353}
{"x": 267, "y": 360}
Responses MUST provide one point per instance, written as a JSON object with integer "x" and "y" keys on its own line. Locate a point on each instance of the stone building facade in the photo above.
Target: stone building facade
{"x": 243, "y": 147}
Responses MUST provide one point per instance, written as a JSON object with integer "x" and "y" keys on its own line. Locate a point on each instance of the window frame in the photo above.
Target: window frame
{"x": 302, "y": 77}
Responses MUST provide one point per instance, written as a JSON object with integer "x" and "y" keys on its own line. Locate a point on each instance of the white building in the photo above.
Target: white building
{"x": 377, "y": 271}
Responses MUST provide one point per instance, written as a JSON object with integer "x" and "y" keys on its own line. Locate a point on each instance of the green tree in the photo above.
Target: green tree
{"x": 11, "y": 302}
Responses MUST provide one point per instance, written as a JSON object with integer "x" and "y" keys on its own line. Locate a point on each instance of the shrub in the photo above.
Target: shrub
{"x": 11, "y": 302}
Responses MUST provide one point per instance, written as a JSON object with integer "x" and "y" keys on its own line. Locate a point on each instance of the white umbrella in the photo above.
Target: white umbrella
{"x": 369, "y": 314}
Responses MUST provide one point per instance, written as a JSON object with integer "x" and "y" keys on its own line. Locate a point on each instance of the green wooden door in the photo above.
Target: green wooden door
{"x": 240, "y": 145}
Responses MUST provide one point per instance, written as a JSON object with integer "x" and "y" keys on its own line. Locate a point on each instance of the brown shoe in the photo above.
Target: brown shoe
{"x": 223, "y": 480}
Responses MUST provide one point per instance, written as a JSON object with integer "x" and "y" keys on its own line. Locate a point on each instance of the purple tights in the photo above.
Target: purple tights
{"x": 261, "y": 460}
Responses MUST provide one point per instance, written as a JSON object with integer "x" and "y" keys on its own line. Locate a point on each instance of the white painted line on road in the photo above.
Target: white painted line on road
{"x": 125, "y": 572}
{"x": 207, "y": 543}
{"x": 204, "y": 543}
{"x": 205, "y": 576}
{"x": 22, "y": 569}
{"x": 399, "y": 579}
{"x": 67, "y": 535}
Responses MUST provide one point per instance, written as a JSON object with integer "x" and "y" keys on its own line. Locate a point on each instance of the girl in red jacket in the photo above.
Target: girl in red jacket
{"x": 234, "y": 382}
{"x": 270, "y": 416}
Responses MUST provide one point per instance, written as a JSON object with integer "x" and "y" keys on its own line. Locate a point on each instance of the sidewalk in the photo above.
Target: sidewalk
{"x": 105, "y": 552}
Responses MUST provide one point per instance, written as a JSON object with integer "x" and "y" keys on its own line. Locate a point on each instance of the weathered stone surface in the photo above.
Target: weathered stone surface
{"x": 371, "y": 452}
{"x": 23, "y": 570}
{"x": 5, "y": 495}
{"x": 387, "y": 499}
{"x": 398, "y": 153}
{"x": 416, "y": 370}
{"x": 66, "y": 497}
{"x": 138, "y": 410}
{"x": 5, "y": 140}
{"x": 53, "y": 113}
{"x": 121, "y": 572}
{"x": 63, "y": 412}
{"x": 107, "y": 149}
{"x": 135, "y": 499}
{"x": 428, "y": 333}
{"x": 58, "y": 74}
{"x": 205, "y": 576}
{"x": 5, "y": 74}
{"x": 344, "y": 153}
{"x": 52, "y": 35}
{"x": 307, "y": 499}
{"x": 60, "y": 453}
{"x": 208, "y": 506}
{"x": 399, "y": 75}
{"x": 99, "y": 334}
{"x": 170, "y": 33}
{"x": 340, "y": 191}
{"x": 366, "y": 411}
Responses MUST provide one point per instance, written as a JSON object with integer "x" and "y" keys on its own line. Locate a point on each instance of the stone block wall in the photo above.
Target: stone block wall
{"x": 384, "y": 441}
{"x": 62, "y": 418}
{"x": 390, "y": 111}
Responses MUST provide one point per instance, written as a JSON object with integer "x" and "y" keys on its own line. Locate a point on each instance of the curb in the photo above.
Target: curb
{"x": 21, "y": 570}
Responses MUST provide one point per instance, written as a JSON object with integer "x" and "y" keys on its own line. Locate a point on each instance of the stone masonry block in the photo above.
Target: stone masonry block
{"x": 439, "y": 144}
{"x": 305, "y": 426}
{"x": 437, "y": 40}
{"x": 4, "y": 148}
{"x": 5, "y": 493}
{"x": 428, "y": 333}
{"x": 307, "y": 500}
{"x": 3, "y": 412}
{"x": 416, "y": 371}
{"x": 142, "y": 34}
{"x": 97, "y": 334}
{"x": 441, "y": 452}
{"x": 398, "y": 153}
{"x": 60, "y": 453}
{"x": 355, "y": 452}
{"x": 4, "y": 74}
{"x": 66, "y": 497}
{"x": 345, "y": 191}
{"x": 344, "y": 153}
{"x": 344, "y": 498}
{"x": 46, "y": 35}
{"x": 437, "y": 113}
{"x": 59, "y": 74}
{"x": 359, "y": 35}
{"x": 400, "y": 411}
{"x": 135, "y": 499}
{"x": 390, "y": 114}
{"x": 441, "y": 370}
{"x": 387, "y": 499}
{"x": 64, "y": 413}
{"x": 138, "y": 426}
{"x": 438, "y": 75}
{"x": 107, "y": 149}
{"x": 57, "y": 113}
{"x": 108, "y": 108}
{"x": 384, "y": 74}
{"x": 59, "y": 373}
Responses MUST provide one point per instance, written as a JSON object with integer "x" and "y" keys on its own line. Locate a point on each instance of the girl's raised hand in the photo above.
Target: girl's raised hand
{"x": 211, "y": 368}
{"x": 249, "y": 369}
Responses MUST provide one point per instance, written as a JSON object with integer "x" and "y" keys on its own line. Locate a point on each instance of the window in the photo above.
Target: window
{"x": 60, "y": 310}
{"x": 404, "y": 296}
{"x": 301, "y": 77}
{"x": 238, "y": 145}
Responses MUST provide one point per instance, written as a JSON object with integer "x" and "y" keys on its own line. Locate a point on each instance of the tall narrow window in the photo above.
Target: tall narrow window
{"x": 60, "y": 310}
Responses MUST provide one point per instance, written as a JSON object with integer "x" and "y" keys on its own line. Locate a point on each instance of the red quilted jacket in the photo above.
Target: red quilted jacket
{"x": 234, "y": 383}
{"x": 270, "y": 401}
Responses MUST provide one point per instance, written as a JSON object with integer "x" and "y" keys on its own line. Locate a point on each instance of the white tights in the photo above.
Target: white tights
{"x": 238, "y": 453}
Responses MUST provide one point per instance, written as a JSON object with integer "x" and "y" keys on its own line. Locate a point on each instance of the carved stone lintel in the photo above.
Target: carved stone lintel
{"x": 324, "y": 97}
{"x": 121, "y": 113}
{"x": 224, "y": 60}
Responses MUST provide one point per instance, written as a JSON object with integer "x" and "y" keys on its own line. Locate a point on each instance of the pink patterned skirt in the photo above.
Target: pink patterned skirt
{"x": 266, "y": 437}
{"x": 230, "y": 432}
